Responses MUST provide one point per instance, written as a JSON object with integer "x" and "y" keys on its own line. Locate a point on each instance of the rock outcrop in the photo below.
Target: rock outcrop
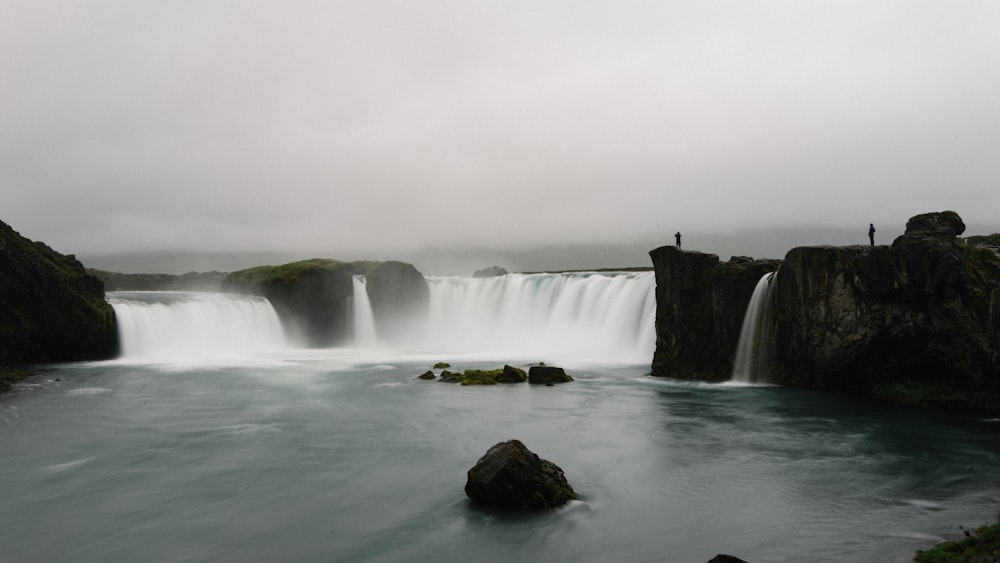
{"x": 399, "y": 296}
{"x": 511, "y": 476}
{"x": 51, "y": 309}
{"x": 547, "y": 375}
{"x": 914, "y": 322}
{"x": 491, "y": 272}
{"x": 700, "y": 303}
{"x": 313, "y": 297}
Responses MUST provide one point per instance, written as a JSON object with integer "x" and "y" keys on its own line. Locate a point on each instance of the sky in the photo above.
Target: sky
{"x": 380, "y": 128}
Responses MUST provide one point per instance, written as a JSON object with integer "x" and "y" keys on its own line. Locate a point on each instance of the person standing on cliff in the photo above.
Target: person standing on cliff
{"x": 677, "y": 237}
{"x": 871, "y": 233}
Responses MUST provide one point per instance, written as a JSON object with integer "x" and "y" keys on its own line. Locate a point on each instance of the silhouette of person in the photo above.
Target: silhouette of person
{"x": 871, "y": 233}
{"x": 677, "y": 237}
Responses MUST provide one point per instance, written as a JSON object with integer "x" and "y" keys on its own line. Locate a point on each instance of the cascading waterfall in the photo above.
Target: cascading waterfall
{"x": 756, "y": 344}
{"x": 589, "y": 316}
{"x": 364, "y": 320}
{"x": 154, "y": 324}
{"x": 597, "y": 316}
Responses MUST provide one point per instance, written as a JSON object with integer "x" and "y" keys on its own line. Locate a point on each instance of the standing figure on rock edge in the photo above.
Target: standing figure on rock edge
{"x": 871, "y": 234}
{"x": 677, "y": 237}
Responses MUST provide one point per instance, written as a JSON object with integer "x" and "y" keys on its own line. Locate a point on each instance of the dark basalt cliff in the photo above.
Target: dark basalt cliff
{"x": 312, "y": 297}
{"x": 51, "y": 310}
{"x": 399, "y": 296}
{"x": 913, "y": 322}
{"x": 700, "y": 303}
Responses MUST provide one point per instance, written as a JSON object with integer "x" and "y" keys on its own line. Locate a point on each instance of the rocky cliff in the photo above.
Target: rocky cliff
{"x": 312, "y": 297}
{"x": 51, "y": 310}
{"x": 914, "y": 322}
{"x": 399, "y": 296}
{"x": 700, "y": 303}
{"x": 191, "y": 281}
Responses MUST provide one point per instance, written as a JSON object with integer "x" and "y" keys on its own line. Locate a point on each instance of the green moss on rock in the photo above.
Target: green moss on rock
{"x": 979, "y": 546}
{"x": 51, "y": 309}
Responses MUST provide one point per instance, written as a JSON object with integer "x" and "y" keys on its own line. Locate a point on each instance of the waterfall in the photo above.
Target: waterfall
{"x": 597, "y": 316}
{"x": 753, "y": 352}
{"x": 364, "y": 320}
{"x": 154, "y": 324}
{"x": 586, "y": 316}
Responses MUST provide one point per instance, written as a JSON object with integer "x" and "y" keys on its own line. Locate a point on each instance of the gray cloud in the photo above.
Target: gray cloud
{"x": 377, "y": 127}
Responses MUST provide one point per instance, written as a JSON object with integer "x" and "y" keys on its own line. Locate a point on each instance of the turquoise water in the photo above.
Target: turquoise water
{"x": 346, "y": 456}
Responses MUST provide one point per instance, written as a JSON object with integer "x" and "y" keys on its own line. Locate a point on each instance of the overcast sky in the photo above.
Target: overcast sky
{"x": 381, "y": 126}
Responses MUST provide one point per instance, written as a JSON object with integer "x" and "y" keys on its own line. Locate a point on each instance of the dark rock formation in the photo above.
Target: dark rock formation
{"x": 51, "y": 310}
{"x": 914, "y": 322}
{"x": 399, "y": 297}
{"x": 313, "y": 297}
{"x": 700, "y": 304}
{"x": 723, "y": 558}
{"x": 547, "y": 375}
{"x": 511, "y": 374}
{"x": 491, "y": 272}
{"x": 507, "y": 374}
{"x": 510, "y": 476}
{"x": 191, "y": 281}
{"x": 427, "y": 375}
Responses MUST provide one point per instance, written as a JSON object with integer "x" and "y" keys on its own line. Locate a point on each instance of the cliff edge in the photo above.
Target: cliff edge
{"x": 914, "y": 322}
{"x": 51, "y": 309}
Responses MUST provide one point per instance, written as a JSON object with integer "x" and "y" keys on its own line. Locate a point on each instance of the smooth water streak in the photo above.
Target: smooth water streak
{"x": 756, "y": 345}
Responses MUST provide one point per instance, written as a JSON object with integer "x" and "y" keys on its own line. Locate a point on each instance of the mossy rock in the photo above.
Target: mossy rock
{"x": 548, "y": 375}
{"x": 511, "y": 374}
{"x": 313, "y": 298}
{"x": 427, "y": 375}
{"x": 442, "y": 365}
{"x": 51, "y": 309}
{"x": 979, "y": 546}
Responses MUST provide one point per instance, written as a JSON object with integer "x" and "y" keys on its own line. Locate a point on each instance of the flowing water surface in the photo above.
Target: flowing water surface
{"x": 346, "y": 456}
{"x": 215, "y": 439}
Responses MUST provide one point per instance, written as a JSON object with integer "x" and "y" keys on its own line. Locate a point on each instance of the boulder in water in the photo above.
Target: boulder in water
{"x": 723, "y": 558}
{"x": 511, "y": 374}
{"x": 427, "y": 375}
{"x": 548, "y": 375}
{"x": 511, "y": 476}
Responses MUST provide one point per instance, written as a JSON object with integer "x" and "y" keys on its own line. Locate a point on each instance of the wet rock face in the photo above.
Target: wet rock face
{"x": 700, "y": 304}
{"x": 312, "y": 297}
{"x": 915, "y": 322}
{"x": 891, "y": 319}
{"x": 511, "y": 476}
{"x": 400, "y": 298}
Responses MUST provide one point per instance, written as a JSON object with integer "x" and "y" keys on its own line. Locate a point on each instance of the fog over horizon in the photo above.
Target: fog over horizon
{"x": 458, "y": 134}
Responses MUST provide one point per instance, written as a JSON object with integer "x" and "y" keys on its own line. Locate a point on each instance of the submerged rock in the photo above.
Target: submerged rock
{"x": 723, "y": 558}
{"x": 547, "y": 375}
{"x": 511, "y": 476}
